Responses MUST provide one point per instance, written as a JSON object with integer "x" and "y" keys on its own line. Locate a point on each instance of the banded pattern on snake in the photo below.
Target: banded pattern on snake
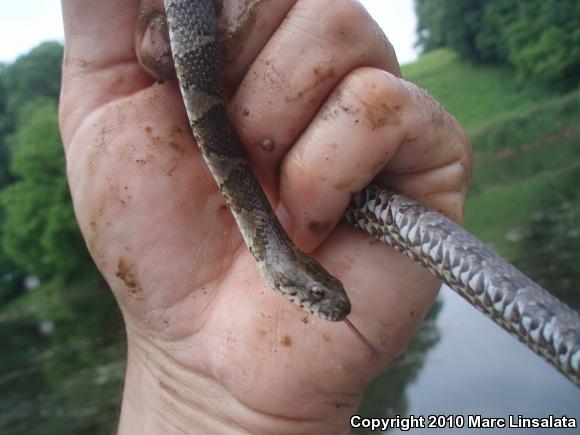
{"x": 520, "y": 306}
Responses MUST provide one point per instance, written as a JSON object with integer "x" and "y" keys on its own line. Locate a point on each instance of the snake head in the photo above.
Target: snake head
{"x": 328, "y": 302}
{"x": 307, "y": 284}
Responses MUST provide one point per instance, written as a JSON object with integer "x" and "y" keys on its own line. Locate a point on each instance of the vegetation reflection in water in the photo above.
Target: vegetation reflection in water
{"x": 64, "y": 381}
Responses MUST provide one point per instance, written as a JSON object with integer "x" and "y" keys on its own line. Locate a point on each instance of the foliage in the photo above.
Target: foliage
{"x": 40, "y": 233}
{"x": 540, "y": 38}
{"x": 34, "y": 76}
{"x": 449, "y": 23}
{"x": 496, "y": 17}
{"x": 5, "y": 128}
{"x": 3, "y": 117}
{"x": 37, "y": 74}
{"x": 545, "y": 39}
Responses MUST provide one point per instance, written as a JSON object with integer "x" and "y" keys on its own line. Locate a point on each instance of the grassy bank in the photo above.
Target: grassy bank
{"x": 526, "y": 142}
{"x": 475, "y": 94}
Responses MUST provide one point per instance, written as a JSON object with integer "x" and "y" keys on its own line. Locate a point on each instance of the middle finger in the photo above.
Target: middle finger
{"x": 317, "y": 44}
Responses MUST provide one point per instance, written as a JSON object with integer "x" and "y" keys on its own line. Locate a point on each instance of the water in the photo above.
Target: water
{"x": 61, "y": 371}
{"x": 476, "y": 368}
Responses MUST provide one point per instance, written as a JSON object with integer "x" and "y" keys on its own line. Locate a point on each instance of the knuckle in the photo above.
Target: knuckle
{"x": 375, "y": 84}
{"x": 377, "y": 97}
{"x": 346, "y": 18}
{"x": 342, "y": 22}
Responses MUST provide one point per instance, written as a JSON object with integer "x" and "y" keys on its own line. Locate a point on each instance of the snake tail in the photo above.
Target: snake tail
{"x": 519, "y": 305}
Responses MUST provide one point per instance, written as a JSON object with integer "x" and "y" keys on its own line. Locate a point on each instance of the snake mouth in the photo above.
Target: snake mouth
{"x": 330, "y": 309}
{"x": 334, "y": 309}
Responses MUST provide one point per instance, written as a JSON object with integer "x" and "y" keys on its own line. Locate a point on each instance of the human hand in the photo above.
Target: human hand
{"x": 210, "y": 348}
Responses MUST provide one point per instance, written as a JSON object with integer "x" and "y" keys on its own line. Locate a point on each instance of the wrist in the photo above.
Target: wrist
{"x": 161, "y": 396}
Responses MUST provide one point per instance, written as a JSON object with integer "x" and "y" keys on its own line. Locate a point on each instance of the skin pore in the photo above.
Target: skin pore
{"x": 211, "y": 349}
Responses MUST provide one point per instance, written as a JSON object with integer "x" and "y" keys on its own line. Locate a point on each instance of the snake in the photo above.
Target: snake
{"x": 493, "y": 286}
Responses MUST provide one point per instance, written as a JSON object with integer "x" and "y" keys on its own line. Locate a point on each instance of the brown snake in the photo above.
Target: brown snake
{"x": 521, "y": 307}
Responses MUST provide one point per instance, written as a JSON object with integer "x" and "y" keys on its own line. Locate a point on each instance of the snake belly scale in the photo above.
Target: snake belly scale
{"x": 517, "y": 304}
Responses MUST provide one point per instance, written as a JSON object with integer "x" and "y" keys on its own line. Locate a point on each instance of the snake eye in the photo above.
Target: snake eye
{"x": 317, "y": 292}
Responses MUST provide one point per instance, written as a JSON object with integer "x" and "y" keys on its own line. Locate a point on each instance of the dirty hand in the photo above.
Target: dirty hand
{"x": 316, "y": 97}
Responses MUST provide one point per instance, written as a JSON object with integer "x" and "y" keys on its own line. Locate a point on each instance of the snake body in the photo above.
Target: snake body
{"x": 520, "y": 306}
{"x": 195, "y": 47}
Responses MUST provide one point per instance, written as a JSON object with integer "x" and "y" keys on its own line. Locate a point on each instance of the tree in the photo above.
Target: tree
{"x": 450, "y": 23}
{"x": 5, "y": 128}
{"x": 37, "y": 227}
{"x": 40, "y": 233}
{"x": 540, "y": 38}
{"x": 36, "y": 74}
{"x": 544, "y": 40}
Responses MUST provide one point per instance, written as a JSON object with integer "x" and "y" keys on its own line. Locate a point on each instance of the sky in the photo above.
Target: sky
{"x": 398, "y": 20}
{"x": 25, "y": 24}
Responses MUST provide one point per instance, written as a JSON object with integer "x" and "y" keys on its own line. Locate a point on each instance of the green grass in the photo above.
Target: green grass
{"x": 558, "y": 117}
{"x": 545, "y": 155}
{"x": 540, "y": 171}
{"x": 504, "y": 207}
{"x": 526, "y": 141}
{"x": 524, "y": 145}
{"x": 475, "y": 94}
